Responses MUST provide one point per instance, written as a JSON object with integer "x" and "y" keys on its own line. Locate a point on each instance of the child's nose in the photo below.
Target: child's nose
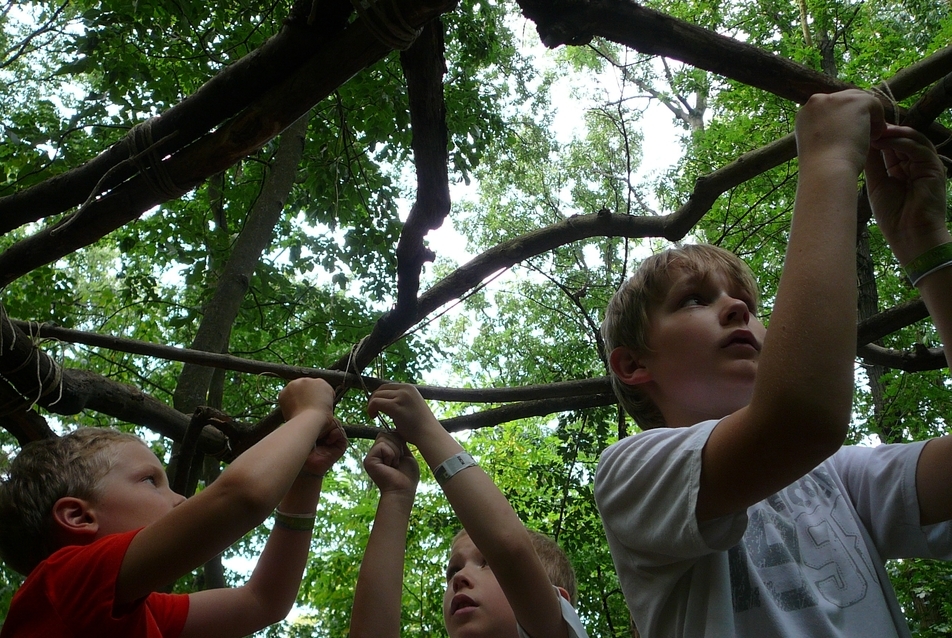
{"x": 735, "y": 310}
{"x": 460, "y": 580}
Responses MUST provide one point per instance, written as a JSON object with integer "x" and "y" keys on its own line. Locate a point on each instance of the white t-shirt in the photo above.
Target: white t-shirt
{"x": 571, "y": 620}
{"x": 807, "y": 561}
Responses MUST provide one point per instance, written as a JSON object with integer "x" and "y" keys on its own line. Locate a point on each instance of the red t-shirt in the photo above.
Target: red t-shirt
{"x": 72, "y": 593}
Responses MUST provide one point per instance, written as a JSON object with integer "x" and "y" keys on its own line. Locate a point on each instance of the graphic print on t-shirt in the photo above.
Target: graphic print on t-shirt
{"x": 802, "y": 548}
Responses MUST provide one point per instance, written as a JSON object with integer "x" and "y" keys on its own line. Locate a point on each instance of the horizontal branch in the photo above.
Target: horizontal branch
{"x": 496, "y": 416}
{"x": 890, "y": 321}
{"x": 334, "y": 377}
{"x": 524, "y": 410}
{"x": 919, "y": 360}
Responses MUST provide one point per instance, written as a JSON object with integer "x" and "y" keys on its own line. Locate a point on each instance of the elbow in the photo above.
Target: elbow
{"x": 828, "y": 426}
{"x": 815, "y": 429}
{"x": 823, "y": 444}
{"x": 513, "y": 549}
{"x": 279, "y": 613}
{"x": 823, "y": 437}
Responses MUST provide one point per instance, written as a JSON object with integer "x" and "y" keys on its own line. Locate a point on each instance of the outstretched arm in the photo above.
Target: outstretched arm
{"x": 485, "y": 513}
{"x": 907, "y": 191}
{"x": 802, "y": 397}
{"x": 379, "y": 592}
{"x": 273, "y": 586}
{"x": 241, "y": 498}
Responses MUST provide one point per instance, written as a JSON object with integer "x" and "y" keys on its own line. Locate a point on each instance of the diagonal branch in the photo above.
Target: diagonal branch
{"x": 270, "y": 114}
{"x": 219, "y": 99}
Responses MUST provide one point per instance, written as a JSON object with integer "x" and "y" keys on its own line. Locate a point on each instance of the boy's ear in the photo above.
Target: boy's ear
{"x": 564, "y": 593}
{"x": 627, "y": 366}
{"x": 74, "y": 519}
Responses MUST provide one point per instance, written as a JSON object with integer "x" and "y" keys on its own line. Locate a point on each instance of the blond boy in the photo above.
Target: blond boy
{"x": 738, "y": 513}
{"x": 91, "y": 521}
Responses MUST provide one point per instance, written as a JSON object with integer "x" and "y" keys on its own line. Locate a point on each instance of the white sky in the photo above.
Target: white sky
{"x": 657, "y": 127}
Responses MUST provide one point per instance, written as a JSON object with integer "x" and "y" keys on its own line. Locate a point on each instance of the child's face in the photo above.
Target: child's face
{"x": 134, "y": 493}
{"x": 705, "y": 343}
{"x": 474, "y": 604}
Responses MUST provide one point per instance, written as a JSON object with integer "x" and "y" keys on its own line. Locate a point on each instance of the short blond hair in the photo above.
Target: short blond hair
{"x": 42, "y": 473}
{"x": 627, "y": 317}
{"x": 556, "y": 562}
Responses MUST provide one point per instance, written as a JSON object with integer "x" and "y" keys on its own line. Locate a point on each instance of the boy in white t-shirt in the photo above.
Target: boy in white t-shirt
{"x": 739, "y": 512}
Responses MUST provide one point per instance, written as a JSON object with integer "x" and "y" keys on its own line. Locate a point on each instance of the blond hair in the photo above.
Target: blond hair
{"x": 42, "y": 473}
{"x": 627, "y": 316}
{"x": 557, "y": 565}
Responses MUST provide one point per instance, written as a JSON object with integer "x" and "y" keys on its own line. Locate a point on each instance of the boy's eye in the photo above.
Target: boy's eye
{"x": 150, "y": 479}
{"x": 692, "y": 300}
{"x": 450, "y": 572}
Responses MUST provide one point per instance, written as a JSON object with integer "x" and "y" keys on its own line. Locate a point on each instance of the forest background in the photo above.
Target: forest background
{"x": 76, "y": 76}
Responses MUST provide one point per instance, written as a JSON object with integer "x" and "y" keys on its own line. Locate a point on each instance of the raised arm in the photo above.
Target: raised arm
{"x": 379, "y": 592}
{"x": 800, "y": 409}
{"x": 484, "y": 512}
{"x": 907, "y": 191}
{"x": 242, "y": 497}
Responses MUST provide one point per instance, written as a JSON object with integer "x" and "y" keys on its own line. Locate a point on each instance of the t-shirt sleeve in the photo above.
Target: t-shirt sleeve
{"x": 569, "y": 615}
{"x": 646, "y": 490}
{"x": 881, "y": 483}
{"x": 82, "y": 587}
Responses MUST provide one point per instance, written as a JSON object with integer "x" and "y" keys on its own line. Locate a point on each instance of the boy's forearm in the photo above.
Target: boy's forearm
{"x": 303, "y": 496}
{"x": 259, "y": 478}
{"x": 935, "y": 292}
{"x": 276, "y": 579}
{"x": 378, "y": 596}
{"x": 496, "y": 530}
{"x": 266, "y": 598}
{"x": 806, "y": 370}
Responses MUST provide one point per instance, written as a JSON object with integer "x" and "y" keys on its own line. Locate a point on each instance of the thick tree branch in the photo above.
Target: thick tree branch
{"x": 423, "y": 67}
{"x": 219, "y": 99}
{"x": 919, "y": 360}
{"x": 270, "y": 114}
{"x": 390, "y": 328}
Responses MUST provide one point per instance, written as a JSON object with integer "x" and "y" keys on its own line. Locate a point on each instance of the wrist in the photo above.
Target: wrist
{"x": 436, "y": 444}
{"x": 452, "y": 466}
{"x": 934, "y": 259}
{"x": 295, "y": 522}
{"x": 404, "y": 496}
{"x": 830, "y": 163}
{"x": 907, "y": 247}
{"x": 301, "y": 499}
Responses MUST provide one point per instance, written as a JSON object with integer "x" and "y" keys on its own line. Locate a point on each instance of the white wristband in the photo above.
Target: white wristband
{"x": 452, "y": 466}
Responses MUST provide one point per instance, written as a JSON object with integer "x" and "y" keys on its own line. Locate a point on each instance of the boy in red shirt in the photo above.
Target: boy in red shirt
{"x": 91, "y": 521}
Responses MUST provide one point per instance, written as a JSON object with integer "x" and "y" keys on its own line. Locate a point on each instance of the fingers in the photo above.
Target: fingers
{"x": 906, "y": 142}
{"x": 387, "y": 448}
{"x": 903, "y": 153}
{"x": 335, "y": 437}
{"x": 391, "y": 466}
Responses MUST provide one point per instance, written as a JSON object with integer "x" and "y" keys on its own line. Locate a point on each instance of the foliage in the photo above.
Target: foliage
{"x": 75, "y": 76}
